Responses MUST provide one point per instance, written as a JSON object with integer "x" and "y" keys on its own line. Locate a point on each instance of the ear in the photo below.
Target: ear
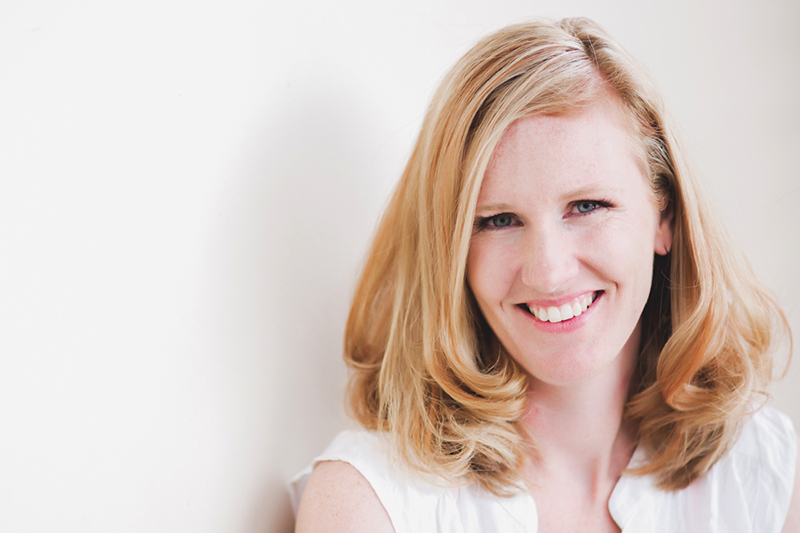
{"x": 664, "y": 230}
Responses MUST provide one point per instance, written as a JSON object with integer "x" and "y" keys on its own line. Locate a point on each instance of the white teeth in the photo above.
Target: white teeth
{"x": 565, "y": 311}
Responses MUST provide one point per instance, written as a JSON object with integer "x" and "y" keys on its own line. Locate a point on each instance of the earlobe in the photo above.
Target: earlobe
{"x": 664, "y": 231}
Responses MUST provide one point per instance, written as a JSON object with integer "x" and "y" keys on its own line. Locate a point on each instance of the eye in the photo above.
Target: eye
{"x": 586, "y": 207}
{"x": 498, "y": 221}
{"x": 502, "y": 220}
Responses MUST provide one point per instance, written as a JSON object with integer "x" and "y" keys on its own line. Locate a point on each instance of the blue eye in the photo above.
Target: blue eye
{"x": 586, "y": 206}
{"x": 501, "y": 221}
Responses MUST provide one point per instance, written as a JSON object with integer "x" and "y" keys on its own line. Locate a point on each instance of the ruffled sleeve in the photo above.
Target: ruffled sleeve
{"x": 411, "y": 505}
{"x": 415, "y": 505}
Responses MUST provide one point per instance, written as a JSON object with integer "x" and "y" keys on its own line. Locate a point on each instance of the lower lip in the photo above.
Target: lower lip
{"x": 565, "y": 326}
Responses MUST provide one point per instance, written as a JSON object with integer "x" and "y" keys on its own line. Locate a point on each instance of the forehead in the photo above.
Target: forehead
{"x": 597, "y": 142}
{"x": 605, "y": 116}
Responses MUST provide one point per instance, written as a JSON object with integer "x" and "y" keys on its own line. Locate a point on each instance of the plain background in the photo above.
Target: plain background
{"x": 187, "y": 190}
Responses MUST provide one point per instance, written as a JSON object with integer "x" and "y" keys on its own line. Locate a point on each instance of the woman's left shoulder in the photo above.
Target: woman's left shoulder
{"x": 758, "y": 472}
{"x": 748, "y": 489}
{"x": 768, "y": 438}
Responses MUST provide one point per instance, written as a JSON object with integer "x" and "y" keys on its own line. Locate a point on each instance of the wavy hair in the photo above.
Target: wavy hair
{"x": 425, "y": 364}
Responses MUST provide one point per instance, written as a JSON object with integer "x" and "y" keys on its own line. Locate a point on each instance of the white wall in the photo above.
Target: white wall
{"x": 186, "y": 192}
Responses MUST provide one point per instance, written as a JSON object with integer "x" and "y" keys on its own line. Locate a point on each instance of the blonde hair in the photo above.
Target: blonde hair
{"x": 425, "y": 365}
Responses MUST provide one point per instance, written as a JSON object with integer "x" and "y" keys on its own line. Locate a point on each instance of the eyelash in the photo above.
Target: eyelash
{"x": 598, "y": 204}
{"x": 484, "y": 222}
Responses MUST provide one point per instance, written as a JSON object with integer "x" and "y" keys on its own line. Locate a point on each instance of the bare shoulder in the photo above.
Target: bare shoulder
{"x": 338, "y": 498}
{"x": 792, "y": 524}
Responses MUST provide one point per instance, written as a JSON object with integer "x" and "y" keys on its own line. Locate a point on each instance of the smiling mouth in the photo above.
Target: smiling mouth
{"x": 563, "y": 312}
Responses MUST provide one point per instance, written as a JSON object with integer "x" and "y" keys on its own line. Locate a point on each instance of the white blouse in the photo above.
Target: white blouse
{"x": 748, "y": 490}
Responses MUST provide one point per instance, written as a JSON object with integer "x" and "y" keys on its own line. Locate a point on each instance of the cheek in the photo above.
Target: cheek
{"x": 477, "y": 277}
{"x": 489, "y": 273}
{"x": 629, "y": 238}
{"x": 627, "y": 253}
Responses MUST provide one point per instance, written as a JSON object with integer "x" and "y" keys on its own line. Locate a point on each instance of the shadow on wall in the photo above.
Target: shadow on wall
{"x": 302, "y": 215}
{"x": 276, "y": 515}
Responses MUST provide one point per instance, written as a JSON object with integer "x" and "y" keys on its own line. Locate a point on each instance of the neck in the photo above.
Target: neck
{"x": 578, "y": 429}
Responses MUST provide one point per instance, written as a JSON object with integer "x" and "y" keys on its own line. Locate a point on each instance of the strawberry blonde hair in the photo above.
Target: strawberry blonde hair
{"x": 423, "y": 366}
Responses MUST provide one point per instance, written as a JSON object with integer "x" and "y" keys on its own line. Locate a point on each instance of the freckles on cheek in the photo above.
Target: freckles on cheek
{"x": 489, "y": 275}
{"x": 484, "y": 272}
{"x": 617, "y": 241}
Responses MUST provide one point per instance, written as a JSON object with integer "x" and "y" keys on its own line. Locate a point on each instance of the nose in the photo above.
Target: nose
{"x": 550, "y": 260}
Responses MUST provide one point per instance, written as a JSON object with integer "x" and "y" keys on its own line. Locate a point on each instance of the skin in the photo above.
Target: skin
{"x": 338, "y": 499}
{"x": 564, "y": 211}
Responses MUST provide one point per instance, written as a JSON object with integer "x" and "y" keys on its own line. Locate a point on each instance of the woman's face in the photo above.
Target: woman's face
{"x": 561, "y": 256}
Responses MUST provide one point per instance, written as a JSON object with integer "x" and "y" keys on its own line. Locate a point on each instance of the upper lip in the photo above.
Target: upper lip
{"x": 557, "y": 301}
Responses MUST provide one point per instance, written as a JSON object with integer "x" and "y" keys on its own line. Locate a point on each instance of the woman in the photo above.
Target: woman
{"x": 551, "y": 332}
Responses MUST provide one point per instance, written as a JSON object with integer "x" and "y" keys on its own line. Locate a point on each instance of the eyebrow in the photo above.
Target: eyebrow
{"x": 493, "y": 207}
{"x": 590, "y": 190}
{"x": 585, "y": 191}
